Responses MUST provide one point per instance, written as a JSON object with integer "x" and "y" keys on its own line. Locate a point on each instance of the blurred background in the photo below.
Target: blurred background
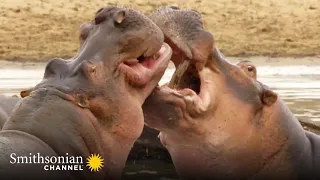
{"x": 281, "y": 37}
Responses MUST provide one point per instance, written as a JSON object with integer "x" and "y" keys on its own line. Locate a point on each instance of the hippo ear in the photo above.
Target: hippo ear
{"x": 268, "y": 97}
{"x": 82, "y": 100}
{"x": 119, "y": 16}
{"x": 25, "y": 93}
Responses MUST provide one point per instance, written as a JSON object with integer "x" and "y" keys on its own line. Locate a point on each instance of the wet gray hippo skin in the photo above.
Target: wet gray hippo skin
{"x": 220, "y": 122}
{"x": 6, "y": 106}
{"x": 90, "y": 104}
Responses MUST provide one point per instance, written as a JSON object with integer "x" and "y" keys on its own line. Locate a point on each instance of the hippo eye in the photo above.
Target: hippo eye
{"x": 250, "y": 68}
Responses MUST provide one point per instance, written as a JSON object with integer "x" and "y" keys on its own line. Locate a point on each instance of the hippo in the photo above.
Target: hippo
{"x": 7, "y": 104}
{"x": 217, "y": 120}
{"x": 87, "y": 110}
{"x": 147, "y": 146}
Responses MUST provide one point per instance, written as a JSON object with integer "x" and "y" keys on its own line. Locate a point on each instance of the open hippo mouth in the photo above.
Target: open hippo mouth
{"x": 187, "y": 88}
{"x": 141, "y": 69}
{"x": 189, "y": 80}
{"x": 188, "y": 92}
{"x": 186, "y": 79}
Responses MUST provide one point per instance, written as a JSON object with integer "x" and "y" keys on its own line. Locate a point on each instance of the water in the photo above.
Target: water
{"x": 298, "y": 85}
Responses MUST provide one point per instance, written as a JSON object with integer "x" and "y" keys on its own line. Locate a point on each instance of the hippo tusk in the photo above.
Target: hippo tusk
{"x": 177, "y": 75}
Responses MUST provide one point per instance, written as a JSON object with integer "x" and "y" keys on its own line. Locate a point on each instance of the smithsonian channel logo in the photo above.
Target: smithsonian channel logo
{"x": 60, "y": 163}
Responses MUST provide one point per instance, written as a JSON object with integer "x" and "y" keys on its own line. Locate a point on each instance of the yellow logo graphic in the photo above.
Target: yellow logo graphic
{"x": 95, "y": 162}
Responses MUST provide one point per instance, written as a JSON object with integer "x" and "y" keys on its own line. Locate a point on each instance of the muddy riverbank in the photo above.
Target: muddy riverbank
{"x": 41, "y": 29}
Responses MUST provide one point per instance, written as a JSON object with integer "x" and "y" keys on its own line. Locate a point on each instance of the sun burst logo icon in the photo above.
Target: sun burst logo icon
{"x": 95, "y": 162}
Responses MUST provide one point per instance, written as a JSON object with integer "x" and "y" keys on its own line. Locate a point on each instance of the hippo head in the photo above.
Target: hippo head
{"x": 121, "y": 59}
{"x": 134, "y": 42}
{"x": 214, "y": 102}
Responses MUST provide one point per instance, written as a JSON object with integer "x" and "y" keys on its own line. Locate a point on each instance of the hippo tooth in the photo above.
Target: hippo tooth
{"x": 188, "y": 98}
{"x": 178, "y": 74}
{"x": 177, "y": 94}
{"x": 155, "y": 56}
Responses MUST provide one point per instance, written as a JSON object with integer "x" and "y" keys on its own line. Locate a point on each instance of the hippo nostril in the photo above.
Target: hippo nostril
{"x": 100, "y": 16}
{"x": 197, "y": 12}
{"x": 99, "y": 19}
{"x": 99, "y": 10}
{"x": 174, "y": 7}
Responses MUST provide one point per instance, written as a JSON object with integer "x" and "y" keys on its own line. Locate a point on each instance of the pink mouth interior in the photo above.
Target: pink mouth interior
{"x": 147, "y": 62}
{"x": 145, "y": 67}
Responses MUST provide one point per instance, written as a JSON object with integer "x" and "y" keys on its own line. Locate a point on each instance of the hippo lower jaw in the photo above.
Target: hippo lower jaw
{"x": 192, "y": 90}
{"x": 141, "y": 70}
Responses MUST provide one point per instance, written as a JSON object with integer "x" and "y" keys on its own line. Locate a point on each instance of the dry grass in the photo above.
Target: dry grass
{"x": 41, "y": 29}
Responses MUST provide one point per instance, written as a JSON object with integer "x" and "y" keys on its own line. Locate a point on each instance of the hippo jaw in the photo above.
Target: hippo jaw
{"x": 182, "y": 108}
